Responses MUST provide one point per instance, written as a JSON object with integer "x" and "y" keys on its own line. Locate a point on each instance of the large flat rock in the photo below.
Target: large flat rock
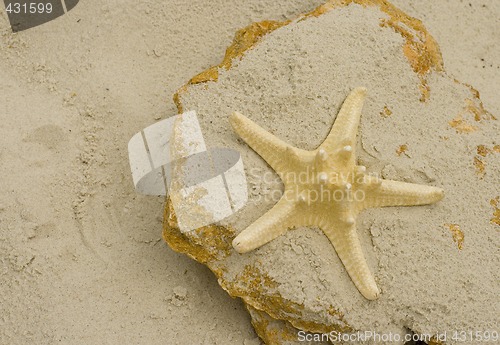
{"x": 437, "y": 265}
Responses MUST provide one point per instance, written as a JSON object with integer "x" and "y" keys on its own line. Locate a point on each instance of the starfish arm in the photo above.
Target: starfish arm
{"x": 344, "y": 130}
{"x": 346, "y": 243}
{"x": 265, "y": 229}
{"x": 395, "y": 193}
{"x": 269, "y": 147}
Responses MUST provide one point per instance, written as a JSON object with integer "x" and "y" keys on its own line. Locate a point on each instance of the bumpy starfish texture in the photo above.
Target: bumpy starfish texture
{"x": 325, "y": 188}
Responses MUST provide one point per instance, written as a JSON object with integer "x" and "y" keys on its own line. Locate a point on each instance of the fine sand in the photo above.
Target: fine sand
{"x": 82, "y": 260}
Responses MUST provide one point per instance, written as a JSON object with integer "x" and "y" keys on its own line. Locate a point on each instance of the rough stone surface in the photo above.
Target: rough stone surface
{"x": 419, "y": 125}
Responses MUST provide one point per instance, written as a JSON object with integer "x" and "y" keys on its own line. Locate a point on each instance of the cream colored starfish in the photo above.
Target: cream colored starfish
{"x": 333, "y": 193}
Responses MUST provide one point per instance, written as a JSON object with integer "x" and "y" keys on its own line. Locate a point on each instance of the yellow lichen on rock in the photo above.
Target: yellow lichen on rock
{"x": 250, "y": 286}
{"x": 402, "y": 149}
{"x": 205, "y": 245}
{"x": 271, "y": 331}
{"x": 462, "y": 126}
{"x": 474, "y": 108}
{"x": 420, "y": 48}
{"x": 496, "y": 211}
{"x": 210, "y": 244}
{"x": 386, "y": 112}
{"x": 458, "y": 235}
{"x": 244, "y": 39}
{"x": 483, "y": 151}
{"x": 480, "y": 167}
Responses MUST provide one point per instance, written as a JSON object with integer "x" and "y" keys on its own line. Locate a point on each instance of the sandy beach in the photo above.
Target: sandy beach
{"x": 81, "y": 255}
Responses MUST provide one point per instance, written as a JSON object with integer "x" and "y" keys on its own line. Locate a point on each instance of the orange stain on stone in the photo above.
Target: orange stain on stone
{"x": 473, "y": 109}
{"x": 483, "y": 151}
{"x": 496, "y": 211}
{"x": 480, "y": 167}
{"x": 402, "y": 149}
{"x": 386, "y": 112}
{"x": 461, "y": 125}
{"x": 420, "y": 48}
{"x": 457, "y": 234}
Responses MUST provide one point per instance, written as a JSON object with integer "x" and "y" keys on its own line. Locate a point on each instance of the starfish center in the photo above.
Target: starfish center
{"x": 325, "y": 188}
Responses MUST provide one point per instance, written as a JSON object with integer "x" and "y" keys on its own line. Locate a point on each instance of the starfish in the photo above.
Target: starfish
{"x": 334, "y": 191}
